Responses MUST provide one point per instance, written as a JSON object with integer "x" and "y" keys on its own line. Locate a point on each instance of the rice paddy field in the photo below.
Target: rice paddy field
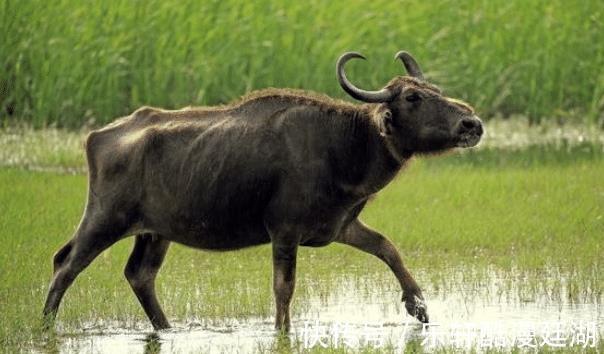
{"x": 505, "y": 239}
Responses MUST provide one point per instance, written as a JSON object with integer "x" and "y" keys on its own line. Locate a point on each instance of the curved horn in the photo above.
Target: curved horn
{"x": 410, "y": 64}
{"x": 366, "y": 96}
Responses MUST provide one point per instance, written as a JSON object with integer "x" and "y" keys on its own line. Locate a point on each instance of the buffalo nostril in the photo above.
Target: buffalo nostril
{"x": 472, "y": 125}
{"x": 469, "y": 124}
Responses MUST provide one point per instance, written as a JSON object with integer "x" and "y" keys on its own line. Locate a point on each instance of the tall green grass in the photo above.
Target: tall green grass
{"x": 74, "y": 62}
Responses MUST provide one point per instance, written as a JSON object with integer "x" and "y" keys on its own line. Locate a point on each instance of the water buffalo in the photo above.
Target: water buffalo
{"x": 280, "y": 166}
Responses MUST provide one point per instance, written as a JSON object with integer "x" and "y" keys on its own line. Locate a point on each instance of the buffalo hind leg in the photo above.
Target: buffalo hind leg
{"x": 365, "y": 239}
{"x": 284, "y": 280}
{"x": 89, "y": 241}
{"x": 142, "y": 267}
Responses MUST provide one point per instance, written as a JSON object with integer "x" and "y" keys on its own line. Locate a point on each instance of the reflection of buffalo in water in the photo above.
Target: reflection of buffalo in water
{"x": 280, "y": 166}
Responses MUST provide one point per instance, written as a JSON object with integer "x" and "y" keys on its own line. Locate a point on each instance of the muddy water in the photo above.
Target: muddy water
{"x": 491, "y": 311}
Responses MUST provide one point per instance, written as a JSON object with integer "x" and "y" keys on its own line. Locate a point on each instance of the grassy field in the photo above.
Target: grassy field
{"x": 72, "y": 63}
{"x": 527, "y": 213}
{"x": 514, "y": 228}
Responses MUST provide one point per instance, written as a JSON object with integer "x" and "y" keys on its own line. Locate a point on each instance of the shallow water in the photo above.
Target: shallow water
{"x": 489, "y": 310}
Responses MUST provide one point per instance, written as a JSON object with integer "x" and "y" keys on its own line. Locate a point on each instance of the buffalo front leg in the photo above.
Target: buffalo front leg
{"x": 365, "y": 239}
{"x": 284, "y": 279}
{"x": 144, "y": 263}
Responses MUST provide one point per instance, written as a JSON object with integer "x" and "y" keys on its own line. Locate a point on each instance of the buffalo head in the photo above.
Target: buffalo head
{"x": 414, "y": 115}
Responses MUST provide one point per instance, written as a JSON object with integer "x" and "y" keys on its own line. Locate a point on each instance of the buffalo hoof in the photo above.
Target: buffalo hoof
{"x": 417, "y": 308}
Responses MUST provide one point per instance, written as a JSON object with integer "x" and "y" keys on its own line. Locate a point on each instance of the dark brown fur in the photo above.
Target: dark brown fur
{"x": 288, "y": 167}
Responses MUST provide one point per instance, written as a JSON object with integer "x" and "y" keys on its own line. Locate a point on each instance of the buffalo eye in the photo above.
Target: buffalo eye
{"x": 413, "y": 97}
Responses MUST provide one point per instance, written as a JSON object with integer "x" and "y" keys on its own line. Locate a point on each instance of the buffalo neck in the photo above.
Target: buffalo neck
{"x": 365, "y": 162}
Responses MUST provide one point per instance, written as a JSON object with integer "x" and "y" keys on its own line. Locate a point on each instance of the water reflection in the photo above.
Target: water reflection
{"x": 365, "y": 307}
{"x": 152, "y": 344}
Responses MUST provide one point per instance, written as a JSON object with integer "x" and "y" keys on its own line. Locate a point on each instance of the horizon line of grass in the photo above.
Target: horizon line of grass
{"x": 510, "y": 142}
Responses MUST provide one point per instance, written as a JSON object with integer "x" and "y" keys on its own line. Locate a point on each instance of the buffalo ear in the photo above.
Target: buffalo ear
{"x": 386, "y": 122}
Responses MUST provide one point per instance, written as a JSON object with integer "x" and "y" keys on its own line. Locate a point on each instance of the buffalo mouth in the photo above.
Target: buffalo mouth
{"x": 469, "y": 139}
